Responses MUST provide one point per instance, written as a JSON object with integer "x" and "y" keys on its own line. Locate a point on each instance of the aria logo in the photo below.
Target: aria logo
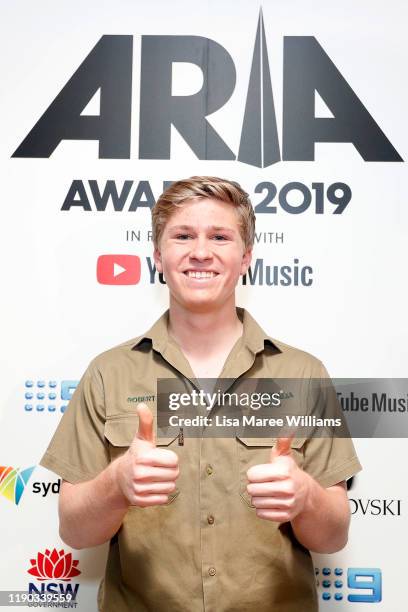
{"x": 52, "y": 565}
{"x": 105, "y": 76}
{"x": 13, "y": 482}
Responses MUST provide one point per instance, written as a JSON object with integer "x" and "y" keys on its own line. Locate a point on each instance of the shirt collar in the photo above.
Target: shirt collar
{"x": 253, "y": 335}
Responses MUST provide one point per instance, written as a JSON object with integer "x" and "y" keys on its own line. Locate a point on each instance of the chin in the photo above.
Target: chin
{"x": 200, "y": 304}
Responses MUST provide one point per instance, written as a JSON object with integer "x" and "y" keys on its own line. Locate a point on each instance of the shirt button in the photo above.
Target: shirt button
{"x": 210, "y": 519}
{"x": 212, "y": 571}
{"x": 209, "y": 470}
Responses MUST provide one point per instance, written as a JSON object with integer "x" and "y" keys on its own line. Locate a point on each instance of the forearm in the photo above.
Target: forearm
{"x": 91, "y": 512}
{"x": 323, "y": 525}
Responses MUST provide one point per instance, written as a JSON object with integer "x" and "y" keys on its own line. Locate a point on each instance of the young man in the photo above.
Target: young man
{"x": 198, "y": 524}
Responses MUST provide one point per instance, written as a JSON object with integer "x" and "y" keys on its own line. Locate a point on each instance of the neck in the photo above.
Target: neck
{"x": 204, "y": 333}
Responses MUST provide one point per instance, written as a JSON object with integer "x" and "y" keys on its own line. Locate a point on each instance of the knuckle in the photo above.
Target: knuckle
{"x": 144, "y": 501}
{"x": 165, "y": 499}
{"x": 137, "y": 488}
{"x": 139, "y": 472}
{"x": 141, "y": 501}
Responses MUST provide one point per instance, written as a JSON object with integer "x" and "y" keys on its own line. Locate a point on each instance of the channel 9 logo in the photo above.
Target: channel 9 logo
{"x": 333, "y": 587}
{"x": 48, "y": 396}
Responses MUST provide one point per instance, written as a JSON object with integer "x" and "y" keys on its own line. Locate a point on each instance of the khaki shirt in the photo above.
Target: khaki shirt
{"x": 205, "y": 550}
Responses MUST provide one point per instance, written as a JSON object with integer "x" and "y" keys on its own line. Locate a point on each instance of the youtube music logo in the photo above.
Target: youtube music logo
{"x": 118, "y": 269}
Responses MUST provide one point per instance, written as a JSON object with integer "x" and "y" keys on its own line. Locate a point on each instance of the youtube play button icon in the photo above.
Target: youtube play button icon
{"x": 118, "y": 269}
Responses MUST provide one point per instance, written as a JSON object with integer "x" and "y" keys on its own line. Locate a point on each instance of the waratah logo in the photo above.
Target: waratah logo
{"x": 13, "y": 482}
{"x": 54, "y": 565}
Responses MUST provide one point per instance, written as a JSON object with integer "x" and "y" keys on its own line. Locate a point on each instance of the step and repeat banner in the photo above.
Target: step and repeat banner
{"x": 103, "y": 105}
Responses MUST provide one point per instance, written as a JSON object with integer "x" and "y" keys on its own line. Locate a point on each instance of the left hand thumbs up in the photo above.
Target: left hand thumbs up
{"x": 278, "y": 489}
{"x": 283, "y": 447}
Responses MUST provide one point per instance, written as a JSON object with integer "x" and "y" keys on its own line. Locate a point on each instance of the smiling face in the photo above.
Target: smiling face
{"x": 201, "y": 254}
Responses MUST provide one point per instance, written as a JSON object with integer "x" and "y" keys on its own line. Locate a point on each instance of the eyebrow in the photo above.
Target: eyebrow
{"x": 216, "y": 228}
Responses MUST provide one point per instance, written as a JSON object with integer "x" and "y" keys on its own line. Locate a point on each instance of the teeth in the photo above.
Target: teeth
{"x": 201, "y": 274}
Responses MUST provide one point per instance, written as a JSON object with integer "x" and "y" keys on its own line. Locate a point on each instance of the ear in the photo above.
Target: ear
{"x": 246, "y": 260}
{"x": 157, "y": 259}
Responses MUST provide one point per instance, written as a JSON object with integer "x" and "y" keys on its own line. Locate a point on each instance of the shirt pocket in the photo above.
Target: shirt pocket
{"x": 119, "y": 432}
{"x": 255, "y": 451}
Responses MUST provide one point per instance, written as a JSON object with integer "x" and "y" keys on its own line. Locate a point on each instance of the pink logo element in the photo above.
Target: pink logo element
{"x": 118, "y": 269}
{"x": 54, "y": 564}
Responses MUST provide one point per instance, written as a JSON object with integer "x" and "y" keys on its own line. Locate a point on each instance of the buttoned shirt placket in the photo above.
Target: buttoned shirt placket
{"x": 213, "y": 484}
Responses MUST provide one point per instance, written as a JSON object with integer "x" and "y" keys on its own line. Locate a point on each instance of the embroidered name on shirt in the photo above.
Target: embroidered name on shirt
{"x": 142, "y": 398}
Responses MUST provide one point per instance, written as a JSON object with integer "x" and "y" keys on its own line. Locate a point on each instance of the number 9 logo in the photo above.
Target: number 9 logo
{"x": 374, "y": 584}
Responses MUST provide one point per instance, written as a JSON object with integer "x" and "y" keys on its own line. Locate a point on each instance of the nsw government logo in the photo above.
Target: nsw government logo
{"x": 54, "y": 571}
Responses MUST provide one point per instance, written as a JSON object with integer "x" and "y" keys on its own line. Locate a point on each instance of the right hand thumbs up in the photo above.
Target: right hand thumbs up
{"x": 147, "y": 474}
{"x": 146, "y": 427}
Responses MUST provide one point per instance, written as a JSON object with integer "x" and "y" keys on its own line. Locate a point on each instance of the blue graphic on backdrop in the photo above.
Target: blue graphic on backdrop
{"x": 333, "y": 586}
{"x": 48, "y": 396}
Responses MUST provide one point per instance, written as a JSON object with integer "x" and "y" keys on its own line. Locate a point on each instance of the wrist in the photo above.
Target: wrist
{"x": 112, "y": 484}
{"x": 309, "y": 494}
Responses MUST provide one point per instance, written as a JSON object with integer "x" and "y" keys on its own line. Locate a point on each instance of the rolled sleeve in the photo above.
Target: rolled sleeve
{"x": 78, "y": 449}
{"x": 330, "y": 460}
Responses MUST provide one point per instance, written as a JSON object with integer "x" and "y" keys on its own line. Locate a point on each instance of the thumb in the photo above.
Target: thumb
{"x": 282, "y": 448}
{"x": 146, "y": 429}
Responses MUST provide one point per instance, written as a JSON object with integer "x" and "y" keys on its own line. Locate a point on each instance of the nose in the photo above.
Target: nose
{"x": 200, "y": 249}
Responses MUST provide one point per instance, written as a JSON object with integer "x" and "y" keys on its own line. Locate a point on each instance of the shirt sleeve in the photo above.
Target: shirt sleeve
{"x": 332, "y": 459}
{"x": 78, "y": 450}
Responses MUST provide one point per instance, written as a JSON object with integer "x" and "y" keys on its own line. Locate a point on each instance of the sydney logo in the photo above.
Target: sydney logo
{"x": 13, "y": 482}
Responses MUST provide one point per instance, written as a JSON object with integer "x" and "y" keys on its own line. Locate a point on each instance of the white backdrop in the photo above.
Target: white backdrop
{"x": 56, "y": 316}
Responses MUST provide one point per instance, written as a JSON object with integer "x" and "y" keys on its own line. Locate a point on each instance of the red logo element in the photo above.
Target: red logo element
{"x": 54, "y": 564}
{"x": 118, "y": 269}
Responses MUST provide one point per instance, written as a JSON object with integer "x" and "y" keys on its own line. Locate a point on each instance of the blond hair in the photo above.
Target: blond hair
{"x": 197, "y": 187}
